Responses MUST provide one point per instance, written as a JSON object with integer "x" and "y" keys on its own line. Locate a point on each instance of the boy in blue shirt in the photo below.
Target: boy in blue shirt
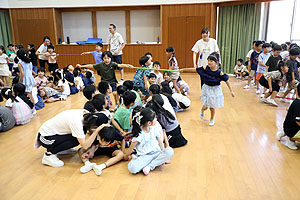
{"x": 97, "y": 53}
{"x": 254, "y": 62}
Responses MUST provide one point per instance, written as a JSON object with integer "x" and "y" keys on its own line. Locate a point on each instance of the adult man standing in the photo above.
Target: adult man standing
{"x": 115, "y": 45}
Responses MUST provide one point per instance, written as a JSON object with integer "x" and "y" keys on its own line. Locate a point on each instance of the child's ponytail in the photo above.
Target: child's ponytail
{"x": 140, "y": 117}
{"x": 7, "y": 94}
{"x": 23, "y": 55}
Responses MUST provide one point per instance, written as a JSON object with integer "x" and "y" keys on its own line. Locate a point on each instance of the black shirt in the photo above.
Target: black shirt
{"x": 292, "y": 64}
{"x": 89, "y": 106}
{"x": 33, "y": 57}
{"x": 272, "y": 63}
{"x": 290, "y": 126}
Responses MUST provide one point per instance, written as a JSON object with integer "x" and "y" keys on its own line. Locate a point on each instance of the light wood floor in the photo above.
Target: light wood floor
{"x": 238, "y": 158}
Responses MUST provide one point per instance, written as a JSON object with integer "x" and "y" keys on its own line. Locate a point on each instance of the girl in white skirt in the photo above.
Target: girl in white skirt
{"x": 212, "y": 95}
{"x": 4, "y": 69}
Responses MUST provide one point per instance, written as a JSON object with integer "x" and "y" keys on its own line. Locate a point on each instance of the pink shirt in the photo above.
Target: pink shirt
{"x": 40, "y": 80}
{"x": 52, "y": 59}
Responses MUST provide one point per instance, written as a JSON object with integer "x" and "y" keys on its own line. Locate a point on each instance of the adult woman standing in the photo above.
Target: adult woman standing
{"x": 42, "y": 50}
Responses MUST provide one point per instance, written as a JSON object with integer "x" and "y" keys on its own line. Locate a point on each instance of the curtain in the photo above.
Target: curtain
{"x": 5, "y": 29}
{"x": 238, "y": 26}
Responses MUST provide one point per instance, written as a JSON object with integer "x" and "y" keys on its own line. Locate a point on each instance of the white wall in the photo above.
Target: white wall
{"x": 144, "y": 25}
{"x": 92, "y": 3}
{"x": 4, "y": 4}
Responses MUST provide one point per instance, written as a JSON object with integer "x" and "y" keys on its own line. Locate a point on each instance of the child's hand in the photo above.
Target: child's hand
{"x": 270, "y": 89}
{"x": 146, "y": 87}
{"x": 47, "y": 54}
{"x": 78, "y": 65}
{"x": 293, "y": 82}
{"x": 232, "y": 94}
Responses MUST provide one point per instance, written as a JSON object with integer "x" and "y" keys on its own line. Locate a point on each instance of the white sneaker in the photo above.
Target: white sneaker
{"x": 279, "y": 135}
{"x": 68, "y": 151}
{"x": 263, "y": 100}
{"x": 247, "y": 87}
{"x": 257, "y": 91}
{"x": 52, "y": 161}
{"x": 212, "y": 122}
{"x": 290, "y": 144}
{"x": 271, "y": 101}
{"x": 121, "y": 81}
{"x": 87, "y": 167}
{"x": 262, "y": 95}
{"x": 284, "y": 100}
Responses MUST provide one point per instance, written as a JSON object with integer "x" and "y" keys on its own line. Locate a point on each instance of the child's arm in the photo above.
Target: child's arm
{"x": 188, "y": 70}
{"x": 145, "y": 82}
{"x": 249, "y": 65}
{"x": 129, "y": 151}
{"x": 293, "y": 77}
{"x": 21, "y": 72}
{"x": 84, "y": 53}
{"x": 230, "y": 89}
{"x": 262, "y": 64}
{"x": 160, "y": 142}
{"x": 117, "y": 126}
{"x": 194, "y": 59}
{"x": 86, "y": 143}
{"x": 166, "y": 139}
{"x": 125, "y": 65}
{"x": 130, "y": 119}
{"x": 172, "y": 65}
{"x": 88, "y": 66}
{"x": 123, "y": 146}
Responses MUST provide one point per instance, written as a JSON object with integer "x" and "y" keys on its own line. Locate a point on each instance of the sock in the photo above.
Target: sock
{"x": 102, "y": 166}
{"x": 87, "y": 163}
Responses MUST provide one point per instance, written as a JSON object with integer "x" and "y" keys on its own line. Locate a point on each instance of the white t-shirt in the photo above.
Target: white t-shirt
{"x": 115, "y": 42}
{"x": 66, "y": 122}
{"x": 179, "y": 98}
{"x": 249, "y": 54}
{"x": 66, "y": 87}
{"x": 148, "y": 142}
{"x": 167, "y": 106}
{"x": 159, "y": 77}
{"x": 204, "y": 49}
{"x": 3, "y": 59}
{"x": 42, "y": 49}
{"x": 241, "y": 68}
{"x": 284, "y": 55}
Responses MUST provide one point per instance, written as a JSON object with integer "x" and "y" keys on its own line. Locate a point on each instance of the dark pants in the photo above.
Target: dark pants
{"x": 42, "y": 63}
{"x": 264, "y": 82}
{"x": 175, "y": 138}
{"x": 117, "y": 59}
{"x": 58, "y": 143}
{"x": 52, "y": 67}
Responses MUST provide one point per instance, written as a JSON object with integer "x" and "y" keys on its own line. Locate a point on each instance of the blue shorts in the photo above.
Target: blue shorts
{"x": 118, "y": 59}
{"x": 113, "y": 87}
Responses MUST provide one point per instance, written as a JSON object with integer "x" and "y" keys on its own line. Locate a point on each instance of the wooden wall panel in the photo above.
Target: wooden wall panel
{"x": 30, "y": 25}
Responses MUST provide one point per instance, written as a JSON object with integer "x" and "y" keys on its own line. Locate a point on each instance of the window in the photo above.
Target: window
{"x": 104, "y": 18}
{"x": 295, "y": 36}
{"x": 144, "y": 25}
{"x": 77, "y": 26}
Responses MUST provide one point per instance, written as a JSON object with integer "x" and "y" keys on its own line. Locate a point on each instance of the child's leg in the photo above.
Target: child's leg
{"x": 51, "y": 100}
{"x": 175, "y": 85}
{"x": 212, "y": 113}
{"x": 122, "y": 74}
{"x": 287, "y": 92}
{"x": 163, "y": 157}
{"x": 118, "y": 155}
{"x": 137, "y": 164}
{"x": 204, "y": 108}
{"x": 274, "y": 93}
{"x": 115, "y": 94}
{"x": 267, "y": 95}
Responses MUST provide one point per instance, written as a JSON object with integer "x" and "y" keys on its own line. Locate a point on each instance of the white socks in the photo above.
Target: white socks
{"x": 98, "y": 168}
{"x": 88, "y": 166}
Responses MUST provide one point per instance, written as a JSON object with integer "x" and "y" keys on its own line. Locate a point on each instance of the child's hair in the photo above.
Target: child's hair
{"x": 156, "y": 63}
{"x": 294, "y": 51}
{"x": 7, "y": 94}
{"x": 31, "y": 46}
{"x": 280, "y": 65}
{"x": 293, "y": 45}
{"x": 205, "y": 30}
{"x": 10, "y": 45}
{"x": 23, "y": 55}
{"x": 107, "y": 53}
{"x": 107, "y": 134}
{"x": 2, "y": 48}
{"x": 152, "y": 75}
{"x": 240, "y": 60}
{"x": 266, "y": 45}
{"x": 253, "y": 42}
{"x": 98, "y": 101}
{"x": 172, "y": 50}
{"x": 128, "y": 84}
{"x": 91, "y": 120}
{"x": 103, "y": 86}
{"x": 148, "y": 53}
{"x": 277, "y": 48}
{"x": 143, "y": 60}
{"x": 75, "y": 73}
{"x": 154, "y": 88}
{"x": 59, "y": 75}
{"x": 88, "y": 74}
{"x": 41, "y": 69}
{"x": 51, "y": 47}
{"x": 258, "y": 42}
{"x": 15, "y": 80}
{"x": 128, "y": 98}
{"x": 214, "y": 56}
{"x": 156, "y": 105}
{"x": 19, "y": 89}
{"x": 165, "y": 89}
{"x": 288, "y": 43}
{"x": 167, "y": 72}
{"x": 114, "y": 26}
{"x": 19, "y": 46}
{"x": 88, "y": 91}
{"x": 140, "y": 117}
{"x": 46, "y": 37}
{"x": 121, "y": 89}
{"x": 99, "y": 44}
{"x": 284, "y": 47}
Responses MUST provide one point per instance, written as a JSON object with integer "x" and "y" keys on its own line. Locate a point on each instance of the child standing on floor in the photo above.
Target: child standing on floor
{"x": 4, "y": 69}
{"x": 262, "y": 68}
{"x": 140, "y": 76}
{"x": 33, "y": 57}
{"x": 25, "y": 68}
{"x": 51, "y": 55}
{"x": 97, "y": 53}
{"x": 252, "y": 66}
{"x": 173, "y": 65}
{"x": 148, "y": 142}
{"x": 212, "y": 95}
{"x": 291, "y": 124}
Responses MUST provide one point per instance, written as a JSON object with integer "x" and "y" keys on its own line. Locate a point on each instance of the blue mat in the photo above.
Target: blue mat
{"x": 90, "y": 41}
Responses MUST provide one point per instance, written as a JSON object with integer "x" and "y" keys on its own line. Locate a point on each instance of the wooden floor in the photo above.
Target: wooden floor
{"x": 238, "y": 158}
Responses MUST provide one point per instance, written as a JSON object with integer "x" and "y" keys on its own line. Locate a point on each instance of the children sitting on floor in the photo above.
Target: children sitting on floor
{"x": 89, "y": 92}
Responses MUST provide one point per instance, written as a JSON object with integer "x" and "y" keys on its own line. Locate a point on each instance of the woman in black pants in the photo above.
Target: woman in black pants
{"x": 42, "y": 50}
